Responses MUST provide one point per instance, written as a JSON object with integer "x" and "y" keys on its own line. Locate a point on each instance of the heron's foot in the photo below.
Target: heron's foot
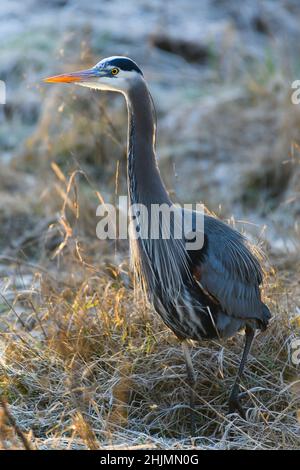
{"x": 235, "y": 404}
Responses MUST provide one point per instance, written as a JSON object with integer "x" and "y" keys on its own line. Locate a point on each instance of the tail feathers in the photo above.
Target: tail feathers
{"x": 266, "y": 317}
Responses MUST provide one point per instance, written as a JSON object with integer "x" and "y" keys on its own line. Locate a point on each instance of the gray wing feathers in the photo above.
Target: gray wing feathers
{"x": 231, "y": 272}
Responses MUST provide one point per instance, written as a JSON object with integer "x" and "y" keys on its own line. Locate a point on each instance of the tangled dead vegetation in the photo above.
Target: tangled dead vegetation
{"x": 86, "y": 364}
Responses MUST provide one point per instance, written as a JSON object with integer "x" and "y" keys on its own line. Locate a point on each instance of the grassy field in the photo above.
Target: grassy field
{"x": 86, "y": 364}
{"x": 84, "y": 361}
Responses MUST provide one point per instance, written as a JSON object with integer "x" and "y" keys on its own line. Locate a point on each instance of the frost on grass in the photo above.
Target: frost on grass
{"x": 86, "y": 364}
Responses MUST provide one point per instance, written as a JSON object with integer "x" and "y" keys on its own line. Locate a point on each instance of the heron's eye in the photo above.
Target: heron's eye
{"x": 114, "y": 71}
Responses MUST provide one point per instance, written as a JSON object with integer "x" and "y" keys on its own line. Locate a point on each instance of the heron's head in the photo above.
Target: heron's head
{"x": 113, "y": 74}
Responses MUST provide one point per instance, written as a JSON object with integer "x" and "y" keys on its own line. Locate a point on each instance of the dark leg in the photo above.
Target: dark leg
{"x": 234, "y": 399}
{"x": 191, "y": 379}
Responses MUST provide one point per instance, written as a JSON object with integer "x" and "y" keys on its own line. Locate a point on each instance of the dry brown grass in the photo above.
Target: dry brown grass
{"x": 86, "y": 364}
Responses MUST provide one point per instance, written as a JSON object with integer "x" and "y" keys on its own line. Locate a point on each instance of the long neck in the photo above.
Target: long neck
{"x": 159, "y": 263}
{"x": 144, "y": 181}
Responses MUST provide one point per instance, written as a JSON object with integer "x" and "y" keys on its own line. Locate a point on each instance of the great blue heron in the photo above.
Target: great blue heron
{"x": 209, "y": 293}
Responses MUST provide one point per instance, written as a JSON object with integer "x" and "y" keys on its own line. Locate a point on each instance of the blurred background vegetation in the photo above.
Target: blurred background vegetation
{"x": 220, "y": 73}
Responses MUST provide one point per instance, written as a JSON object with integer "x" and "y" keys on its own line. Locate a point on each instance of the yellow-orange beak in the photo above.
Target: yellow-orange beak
{"x": 71, "y": 77}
